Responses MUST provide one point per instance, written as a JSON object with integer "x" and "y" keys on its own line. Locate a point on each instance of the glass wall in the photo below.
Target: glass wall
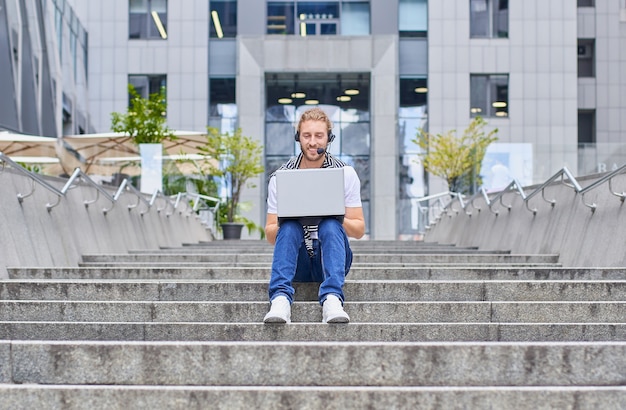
{"x": 314, "y": 18}
{"x": 223, "y": 19}
{"x": 489, "y": 95}
{"x": 413, "y": 18}
{"x": 489, "y": 18}
{"x": 222, "y": 104}
{"x": 147, "y": 19}
{"x": 412, "y": 116}
{"x": 344, "y": 97}
{"x": 147, "y": 84}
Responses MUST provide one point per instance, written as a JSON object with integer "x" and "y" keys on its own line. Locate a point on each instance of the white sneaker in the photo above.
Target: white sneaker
{"x": 280, "y": 312}
{"x": 332, "y": 311}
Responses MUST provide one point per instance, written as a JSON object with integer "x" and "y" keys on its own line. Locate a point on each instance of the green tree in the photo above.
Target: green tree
{"x": 145, "y": 120}
{"x": 237, "y": 158}
{"x": 457, "y": 160}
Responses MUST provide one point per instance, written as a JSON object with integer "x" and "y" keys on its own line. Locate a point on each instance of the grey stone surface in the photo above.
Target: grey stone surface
{"x": 380, "y": 258}
{"x": 362, "y": 363}
{"x": 59, "y": 238}
{"x": 262, "y": 272}
{"x": 257, "y": 331}
{"x": 5, "y": 362}
{"x": 233, "y": 290}
{"x": 26, "y": 397}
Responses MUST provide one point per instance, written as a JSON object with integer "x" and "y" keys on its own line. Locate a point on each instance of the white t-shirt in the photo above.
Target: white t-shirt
{"x": 352, "y": 188}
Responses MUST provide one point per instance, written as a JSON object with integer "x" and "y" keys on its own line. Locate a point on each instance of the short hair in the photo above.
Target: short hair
{"x": 315, "y": 114}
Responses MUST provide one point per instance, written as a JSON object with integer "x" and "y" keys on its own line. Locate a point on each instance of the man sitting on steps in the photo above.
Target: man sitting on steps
{"x": 319, "y": 253}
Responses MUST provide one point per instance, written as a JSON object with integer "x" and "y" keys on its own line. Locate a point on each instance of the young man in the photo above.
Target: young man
{"x": 313, "y": 253}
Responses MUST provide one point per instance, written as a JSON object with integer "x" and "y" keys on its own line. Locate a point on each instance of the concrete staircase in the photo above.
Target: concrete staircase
{"x": 433, "y": 326}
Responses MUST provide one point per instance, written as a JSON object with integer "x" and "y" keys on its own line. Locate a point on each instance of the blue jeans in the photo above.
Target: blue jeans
{"x": 329, "y": 265}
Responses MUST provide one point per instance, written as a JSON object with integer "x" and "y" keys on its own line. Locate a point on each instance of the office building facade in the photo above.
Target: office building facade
{"x": 550, "y": 76}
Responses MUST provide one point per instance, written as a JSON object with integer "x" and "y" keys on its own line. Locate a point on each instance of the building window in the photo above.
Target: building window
{"x": 308, "y": 18}
{"x": 223, "y": 19}
{"x": 489, "y": 18}
{"x": 586, "y": 126}
{"x": 413, "y": 18}
{"x": 147, "y": 84}
{"x": 147, "y": 19}
{"x": 489, "y": 95}
{"x": 586, "y": 58}
{"x": 412, "y": 116}
{"x": 345, "y": 97}
{"x": 586, "y": 3}
{"x": 222, "y": 104}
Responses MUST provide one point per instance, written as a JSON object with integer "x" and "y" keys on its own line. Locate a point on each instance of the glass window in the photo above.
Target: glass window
{"x": 355, "y": 19}
{"x": 413, "y": 18}
{"x": 222, "y": 104}
{"x": 586, "y": 3}
{"x": 489, "y": 95}
{"x": 586, "y": 58}
{"x": 147, "y": 19}
{"x": 280, "y": 17}
{"x": 412, "y": 116}
{"x": 344, "y": 97}
{"x": 147, "y": 84}
{"x": 586, "y": 126}
{"x": 310, "y": 18}
{"x": 223, "y": 18}
{"x": 489, "y": 18}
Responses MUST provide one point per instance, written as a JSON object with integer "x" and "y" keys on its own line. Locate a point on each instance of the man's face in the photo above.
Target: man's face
{"x": 313, "y": 135}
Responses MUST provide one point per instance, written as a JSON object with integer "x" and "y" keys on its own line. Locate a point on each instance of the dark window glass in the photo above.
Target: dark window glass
{"x": 586, "y": 58}
{"x": 412, "y": 182}
{"x": 280, "y": 18}
{"x": 223, "y": 18}
{"x": 147, "y": 19}
{"x": 586, "y": 3}
{"x": 489, "y": 95}
{"x": 222, "y": 104}
{"x": 489, "y": 18}
{"x": 345, "y": 99}
{"x": 147, "y": 84}
{"x": 586, "y": 127}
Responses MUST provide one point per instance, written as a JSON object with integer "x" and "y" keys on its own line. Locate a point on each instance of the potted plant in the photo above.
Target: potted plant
{"x": 236, "y": 159}
{"x": 145, "y": 122}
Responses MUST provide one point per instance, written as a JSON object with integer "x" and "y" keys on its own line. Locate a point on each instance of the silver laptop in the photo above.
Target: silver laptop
{"x": 302, "y": 193}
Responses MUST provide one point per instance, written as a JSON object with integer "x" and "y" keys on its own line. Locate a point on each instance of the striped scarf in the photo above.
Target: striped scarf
{"x": 311, "y": 228}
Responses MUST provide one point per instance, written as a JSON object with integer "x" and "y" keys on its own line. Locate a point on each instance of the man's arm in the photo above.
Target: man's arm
{"x": 353, "y": 223}
{"x": 271, "y": 228}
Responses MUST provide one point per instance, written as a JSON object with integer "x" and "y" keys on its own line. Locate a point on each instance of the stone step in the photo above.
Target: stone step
{"x": 124, "y": 397}
{"x": 314, "y": 332}
{"x": 266, "y": 258}
{"x": 360, "y": 363}
{"x": 359, "y": 250}
{"x": 360, "y": 312}
{"x": 355, "y": 290}
{"x": 429, "y": 272}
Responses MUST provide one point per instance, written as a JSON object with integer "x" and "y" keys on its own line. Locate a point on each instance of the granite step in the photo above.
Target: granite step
{"x": 362, "y": 363}
{"x": 245, "y": 273}
{"x": 313, "y": 332}
{"x": 359, "y": 258}
{"x": 355, "y": 290}
{"x": 124, "y": 397}
{"x": 311, "y": 312}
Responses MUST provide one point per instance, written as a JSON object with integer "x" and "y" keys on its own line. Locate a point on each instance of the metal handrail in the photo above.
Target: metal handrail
{"x": 34, "y": 178}
{"x": 140, "y": 196}
{"x": 78, "y": 174}
{"x": 564, "y": 174}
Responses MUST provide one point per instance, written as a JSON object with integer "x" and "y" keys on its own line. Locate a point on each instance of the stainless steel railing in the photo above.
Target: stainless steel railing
{"x": 157, "y": 200}
{"x": 443, "y": 203}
